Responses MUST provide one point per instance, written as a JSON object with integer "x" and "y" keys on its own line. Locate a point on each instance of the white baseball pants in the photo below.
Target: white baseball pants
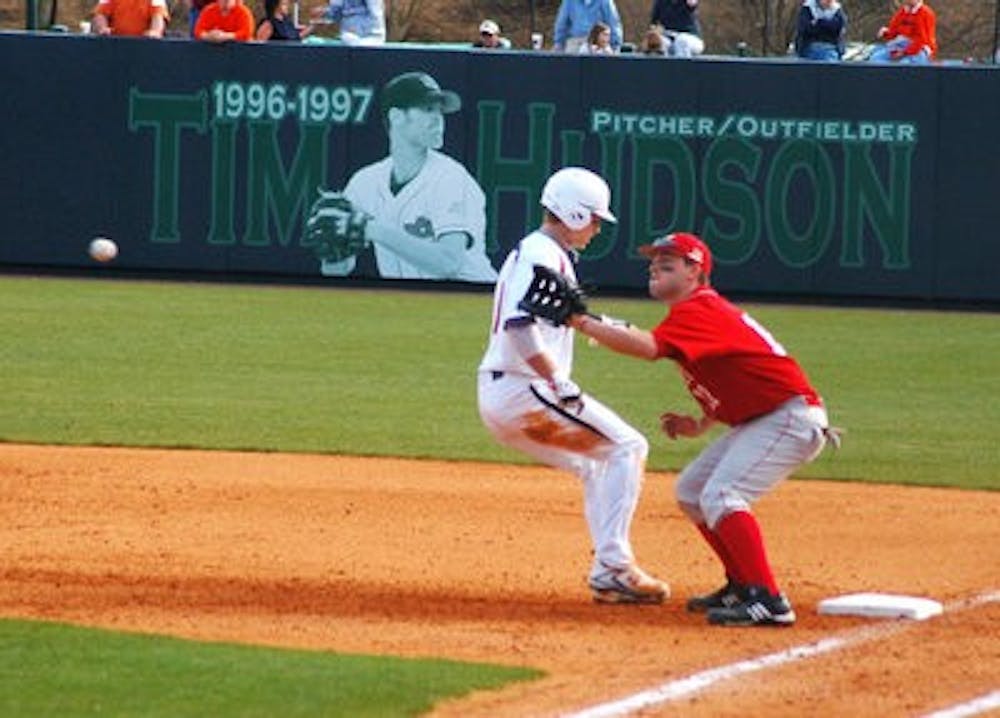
{"x": 750, "y": 459}
{"x": 590, "y": 440}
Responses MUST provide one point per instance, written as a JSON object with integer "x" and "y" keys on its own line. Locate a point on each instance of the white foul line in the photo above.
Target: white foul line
{"x": 973, "y": 707}
{"x": 685, "y": 687}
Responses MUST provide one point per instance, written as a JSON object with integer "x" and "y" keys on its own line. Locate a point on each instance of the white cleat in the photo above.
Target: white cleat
{"x": 628, "y": 585}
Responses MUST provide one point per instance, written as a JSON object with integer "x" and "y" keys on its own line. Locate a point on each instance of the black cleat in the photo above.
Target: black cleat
{"x": 726, "y": 597}
{"x": 758, "y": 607}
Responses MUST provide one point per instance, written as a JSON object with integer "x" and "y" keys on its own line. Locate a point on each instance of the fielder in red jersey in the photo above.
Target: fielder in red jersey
{"x": 740, "y": 376}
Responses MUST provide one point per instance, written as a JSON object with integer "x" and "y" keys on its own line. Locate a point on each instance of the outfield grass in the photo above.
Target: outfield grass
{"x": 393, "y": 373}
{"x": 55, "y": 670}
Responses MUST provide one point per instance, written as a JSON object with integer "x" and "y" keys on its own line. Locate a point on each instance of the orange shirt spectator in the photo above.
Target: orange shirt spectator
{"x": 225, "y": 20}
{"x": 135, "y": 18}
{"x": 916, "y": 21}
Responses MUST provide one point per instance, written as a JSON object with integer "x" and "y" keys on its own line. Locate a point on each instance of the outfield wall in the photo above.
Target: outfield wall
{"x": 805, "y": 179}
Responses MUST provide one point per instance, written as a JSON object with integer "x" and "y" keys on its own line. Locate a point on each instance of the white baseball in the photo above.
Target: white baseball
{"x": 103, "y": 249}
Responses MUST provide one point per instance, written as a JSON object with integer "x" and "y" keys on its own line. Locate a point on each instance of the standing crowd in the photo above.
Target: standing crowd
{"x": 360, "y": 22}
{"x": 591, "y": 27}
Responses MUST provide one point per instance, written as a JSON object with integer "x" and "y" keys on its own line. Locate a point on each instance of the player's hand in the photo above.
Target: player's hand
{"x": 676, "y": 425}
{"x": 567, "y": 392}
{"x": 882, "y": 32}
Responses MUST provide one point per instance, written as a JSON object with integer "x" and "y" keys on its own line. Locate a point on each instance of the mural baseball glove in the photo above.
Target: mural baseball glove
{"x": 335, "y": 229}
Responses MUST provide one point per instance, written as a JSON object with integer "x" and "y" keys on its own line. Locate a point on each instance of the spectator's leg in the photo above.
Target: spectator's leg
{"x": 879, "y": 54}
{"x": 921, "y": 58}
{"x": 822, "y": 52}
{"x": 883, "y": 52}
{"x": 688, "y": 45}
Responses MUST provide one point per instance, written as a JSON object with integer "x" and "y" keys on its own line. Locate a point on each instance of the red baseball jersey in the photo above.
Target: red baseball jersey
{"x": 732, "y": 365}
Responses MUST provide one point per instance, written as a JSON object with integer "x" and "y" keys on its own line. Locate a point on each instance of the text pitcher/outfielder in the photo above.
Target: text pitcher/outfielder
{"x": 426, "y": 215}
{"x": 529, "y": 402}
{"x": 741, "y": 376}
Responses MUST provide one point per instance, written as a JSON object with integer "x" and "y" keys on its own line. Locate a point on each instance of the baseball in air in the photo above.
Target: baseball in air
{"x": 103, "y": 249}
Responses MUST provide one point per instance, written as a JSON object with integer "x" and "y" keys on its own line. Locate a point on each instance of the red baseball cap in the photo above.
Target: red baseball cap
{"x": 680, "y": 244}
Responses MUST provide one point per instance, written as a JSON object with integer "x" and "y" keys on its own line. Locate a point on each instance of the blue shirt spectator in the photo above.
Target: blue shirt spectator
{"x": 821, "y": 31}
{"x": 577, "y": 17}
{"x": 362, "y": 22}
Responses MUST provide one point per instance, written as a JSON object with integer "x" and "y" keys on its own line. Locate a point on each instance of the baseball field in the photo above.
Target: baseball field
{"x": 259, "y": 500}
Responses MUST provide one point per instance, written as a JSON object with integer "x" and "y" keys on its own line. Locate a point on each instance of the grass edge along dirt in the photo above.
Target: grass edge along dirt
{"x": 58, "y": 669}
{"x": 392, "y": 373}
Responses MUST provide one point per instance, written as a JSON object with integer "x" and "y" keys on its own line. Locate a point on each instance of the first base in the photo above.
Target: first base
{"x": 880, "y": 605}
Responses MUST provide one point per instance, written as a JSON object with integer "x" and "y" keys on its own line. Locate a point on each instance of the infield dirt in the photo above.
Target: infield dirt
{"x": 487, "y": 562}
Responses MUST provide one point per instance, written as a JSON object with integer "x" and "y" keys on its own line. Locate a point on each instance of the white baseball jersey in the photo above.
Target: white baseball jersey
{"x": 442, "y": 198}
{"x": 521, "y": 411}
{"x": 515, "y": 276}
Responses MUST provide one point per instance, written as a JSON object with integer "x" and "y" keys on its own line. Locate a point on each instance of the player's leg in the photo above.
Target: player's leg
{"x": 688, "y": 489}
{"x": 511, "y": 412}
{"x": 758, "y": 456}
{"x": 607, "y": 455}
{"x": 611, "y": 495}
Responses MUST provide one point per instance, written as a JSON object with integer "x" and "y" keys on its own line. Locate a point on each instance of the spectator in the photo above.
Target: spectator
{"x": 679, "y": 20}
{"x": 490, "y": 37}
{"x": 598, "y": 41}
{"x": 194, "y": 10}
{"x": 653, "y": 42}
{"x": 224, "y": 21}
{"x": 136, "y": 18}
{"x": 278, "y": 25}
{"x": 362, "y": 22}
{"x": 821, "y": 31}
{"x": 577, "y": 17}
{"x": 911, "y": 36}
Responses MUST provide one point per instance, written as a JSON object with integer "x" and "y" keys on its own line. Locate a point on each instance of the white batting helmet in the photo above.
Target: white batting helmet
{"x": 574, "y": 195}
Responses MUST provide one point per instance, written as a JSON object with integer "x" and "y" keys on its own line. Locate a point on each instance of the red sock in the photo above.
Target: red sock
{"x": 713, "y": 540}
{"x": 740, "y": 534}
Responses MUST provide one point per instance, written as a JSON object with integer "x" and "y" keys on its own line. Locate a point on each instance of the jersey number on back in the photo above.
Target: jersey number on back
{"x": 768, "y": 338}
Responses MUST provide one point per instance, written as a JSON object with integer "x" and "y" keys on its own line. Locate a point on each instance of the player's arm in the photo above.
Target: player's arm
{"x": 442, "y": 257}
{"x": 527, "y": 341}
{"x": 677, "y": 425}
{"x": 617, "y": 336}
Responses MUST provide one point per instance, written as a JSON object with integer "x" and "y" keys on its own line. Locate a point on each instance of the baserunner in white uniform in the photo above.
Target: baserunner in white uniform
{"x": 528, "y": 400}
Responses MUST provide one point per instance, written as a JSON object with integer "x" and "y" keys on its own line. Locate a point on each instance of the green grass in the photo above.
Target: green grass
{"x": 393, "y": 373}
{"x": 56, "y": 670}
